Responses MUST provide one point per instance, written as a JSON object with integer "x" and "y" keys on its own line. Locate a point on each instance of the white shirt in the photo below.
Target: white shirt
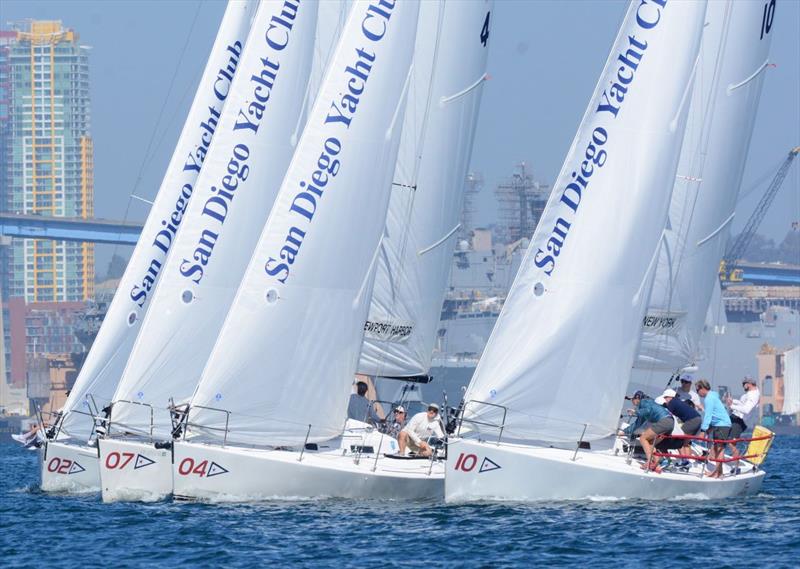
{"x": 744, "y": 407}
{"x": 421, "y": 427}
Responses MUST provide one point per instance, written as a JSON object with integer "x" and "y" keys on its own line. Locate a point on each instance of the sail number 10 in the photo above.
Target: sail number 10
{"x": 767, "y": 18}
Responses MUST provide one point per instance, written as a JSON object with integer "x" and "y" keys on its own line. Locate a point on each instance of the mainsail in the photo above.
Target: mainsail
{"x": 730, "y": 72}
{"x": 427, "y": 193}
{"x": 284, "y": 362}
{"x": 106, "y": 360}
{"x": 559, "y": 359}
{"x": 233, "y": 197}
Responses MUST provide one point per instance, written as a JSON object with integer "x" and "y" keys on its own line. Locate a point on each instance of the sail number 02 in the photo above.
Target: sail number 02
{"x": 767, "y": 18}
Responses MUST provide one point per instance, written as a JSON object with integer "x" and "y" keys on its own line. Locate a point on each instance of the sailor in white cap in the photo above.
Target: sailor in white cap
{"x": 422, "y": 427}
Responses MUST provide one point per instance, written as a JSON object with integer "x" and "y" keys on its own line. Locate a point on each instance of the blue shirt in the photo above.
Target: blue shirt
{"x": 647, "y": 411}
{"x": 682, "y": 410}
{"x": 715, "y": 414}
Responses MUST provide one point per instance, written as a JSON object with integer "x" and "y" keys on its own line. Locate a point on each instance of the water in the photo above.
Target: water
{"x": 38, "y": 530}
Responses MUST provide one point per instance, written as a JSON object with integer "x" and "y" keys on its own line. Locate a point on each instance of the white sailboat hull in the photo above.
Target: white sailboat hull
{"x": 134, "y": 471}
{"x": 68, "y": 468}
{"x": 209, "y": 472}
{"x": 490, "y": 471}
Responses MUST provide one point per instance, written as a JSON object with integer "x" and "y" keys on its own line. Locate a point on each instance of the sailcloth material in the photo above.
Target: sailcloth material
{"x": 427, "y": 193}
{"x": 560, "y": 356}
{"x": 791, "y": 381}
{"x": 284, "y": 362}
{"x": 730, "y": 73}
{"x": 233, "y": 197}
{"x": 106, "y": 360}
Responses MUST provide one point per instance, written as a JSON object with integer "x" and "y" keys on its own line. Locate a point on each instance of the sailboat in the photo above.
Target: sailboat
{"x": 67, "y": 462}
{"x": 255, "y": 139}
{"x": 734, "y": 57}
{"x": 541, "y": 412}
{"x": 268, "y": 417}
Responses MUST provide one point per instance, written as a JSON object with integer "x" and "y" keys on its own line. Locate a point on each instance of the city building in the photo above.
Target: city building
{"x": 46, "y": 158}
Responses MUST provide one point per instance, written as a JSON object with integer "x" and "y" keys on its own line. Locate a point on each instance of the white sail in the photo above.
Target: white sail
{"x": 559, "y": 358}
{"x": 730, "y": 72}
{"x": 106, "y": 360}
{"x": 427, "y": 193}
{"x": 284, "y": 362}
{"x": 233, "y": 197}
{"x": 791, "y": 381}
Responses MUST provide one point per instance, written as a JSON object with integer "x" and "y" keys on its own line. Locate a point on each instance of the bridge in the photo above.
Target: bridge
{"x": 69, "y": 229}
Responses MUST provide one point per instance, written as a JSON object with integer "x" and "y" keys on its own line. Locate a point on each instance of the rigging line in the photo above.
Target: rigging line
{"x": 138, "y": 178}
{"x": 717, "y": 230}
{"x": 440, "y": 241}
{"x": 475, "y": 85}
{"x": 756, "y": 73}
{"x": 673, "y": 124}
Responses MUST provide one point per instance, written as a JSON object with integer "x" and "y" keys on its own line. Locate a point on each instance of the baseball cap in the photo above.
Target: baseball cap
{"x": 669, "y": 393}
{"x": 687, "y": 378}
{"x": 433, "y": 406}
{"x": 748, "y": 379}
{"x": 638, "y": 395}
{"x": 399, "y": 409}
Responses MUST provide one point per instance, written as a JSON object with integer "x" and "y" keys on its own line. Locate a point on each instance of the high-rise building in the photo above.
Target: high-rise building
{"x": 46, "y": 158}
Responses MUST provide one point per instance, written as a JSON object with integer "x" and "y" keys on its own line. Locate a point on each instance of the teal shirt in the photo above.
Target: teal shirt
{"x": 715, "y": 414}
{"x": 647, "y": 411}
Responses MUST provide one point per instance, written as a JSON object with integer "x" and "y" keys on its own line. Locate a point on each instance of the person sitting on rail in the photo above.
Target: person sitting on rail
{"x": 419, "y": 430}
{"x": 716, "y": 424}
{"x": 661, "y": 423}
{"x": 360, "y": 408}
{"x": 689, "y": 418}
{"x": 742, "y": 411}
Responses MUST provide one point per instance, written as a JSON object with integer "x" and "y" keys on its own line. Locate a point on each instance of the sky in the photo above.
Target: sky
{"x": 545, "y": 58}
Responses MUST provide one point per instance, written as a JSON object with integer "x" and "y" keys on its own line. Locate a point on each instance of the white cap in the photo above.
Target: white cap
{"x": 433, "y": 406}
{"x": 660, "y": 400}
{"x": 399, "y": 409}
{"x": 669, "y": 393}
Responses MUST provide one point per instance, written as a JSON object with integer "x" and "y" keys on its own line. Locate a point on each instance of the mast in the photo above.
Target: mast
{"x": 733, "y": 60}
{"x": 103, "y": 367}
{"x": 428, "y": 188}
{"x": 234, "y": 194}
{"x": 283, "y": 364}
{"x": 558, "y": 361}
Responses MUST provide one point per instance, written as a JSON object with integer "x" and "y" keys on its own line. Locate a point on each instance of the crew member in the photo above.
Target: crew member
{"x": 686, "y": 393}
{"x": 661, "y": 423}
{"x": 360, "y": 408}
{"x": 398, "y": 421}
{"x": 742, "y": 411}
{"x": 716, "y": 423}
{"x": 420, "y": 429}
{"x": 689, "y": 417}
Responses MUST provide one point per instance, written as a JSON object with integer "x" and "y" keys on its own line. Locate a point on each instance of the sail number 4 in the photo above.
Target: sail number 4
{"x": 485, "y": 29}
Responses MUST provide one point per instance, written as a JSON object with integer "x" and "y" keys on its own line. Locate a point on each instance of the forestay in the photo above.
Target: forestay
{"x": 106, "y": 360}
{"x": 733, "y": 58}
{"x": 233, "y": 197}
{"x": 427, "y": 193}
{"x": 284, "y": 362}
{"x": 560, "y": 356}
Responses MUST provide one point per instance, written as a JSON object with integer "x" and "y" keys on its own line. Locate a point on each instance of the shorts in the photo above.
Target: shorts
{"x": 412, "y": 446}
{"x": 738, "y": 426}
{"x": 663, "y": 426}
{"x": 719, "y": 433}
{"x": 692, "y": 426}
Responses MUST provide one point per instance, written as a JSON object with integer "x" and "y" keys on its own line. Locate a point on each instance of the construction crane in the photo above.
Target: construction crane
{"x": 728, "y": 270}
